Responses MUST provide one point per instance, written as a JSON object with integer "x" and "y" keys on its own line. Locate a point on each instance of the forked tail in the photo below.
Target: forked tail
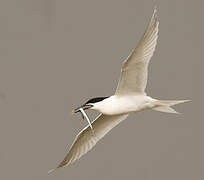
{"x": 165, "y": 105}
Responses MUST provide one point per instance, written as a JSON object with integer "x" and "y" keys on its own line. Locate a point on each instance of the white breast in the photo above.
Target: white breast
{"x": 122, "y": 104}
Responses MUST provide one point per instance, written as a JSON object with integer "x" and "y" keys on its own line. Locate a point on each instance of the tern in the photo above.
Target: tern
{"x": 129, "y": 97}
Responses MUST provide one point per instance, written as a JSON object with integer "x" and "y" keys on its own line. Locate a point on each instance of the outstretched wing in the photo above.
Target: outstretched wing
{"x": 87, "y": 138}
{"x": 133, "y": 76}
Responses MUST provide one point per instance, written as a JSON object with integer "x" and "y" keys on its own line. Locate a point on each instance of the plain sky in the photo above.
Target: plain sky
{"x": 56, "y": 54}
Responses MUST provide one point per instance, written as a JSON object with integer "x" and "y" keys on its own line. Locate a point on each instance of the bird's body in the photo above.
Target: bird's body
{"x": 129, "y": 97}
{"x": 116, "y": 104}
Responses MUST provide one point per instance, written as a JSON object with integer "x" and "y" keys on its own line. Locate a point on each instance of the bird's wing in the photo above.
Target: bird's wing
{"x": 87, "y": 138}
{"x": 133, "y": 76}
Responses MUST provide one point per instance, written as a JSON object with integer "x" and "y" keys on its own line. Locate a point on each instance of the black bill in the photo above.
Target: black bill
{"x": 84, "y": 107}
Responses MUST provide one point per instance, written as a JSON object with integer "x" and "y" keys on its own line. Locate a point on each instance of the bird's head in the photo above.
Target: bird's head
{"x": 90, "y": 104}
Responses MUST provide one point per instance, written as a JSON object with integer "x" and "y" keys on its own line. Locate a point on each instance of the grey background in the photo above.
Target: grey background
{"x": 55, "y": 54}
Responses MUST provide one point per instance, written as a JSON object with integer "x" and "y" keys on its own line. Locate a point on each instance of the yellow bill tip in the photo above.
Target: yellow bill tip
{"x": 73, "y": 112}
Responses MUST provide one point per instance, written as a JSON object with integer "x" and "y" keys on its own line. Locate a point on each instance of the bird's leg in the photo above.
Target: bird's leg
{"x": 84, "y": 115}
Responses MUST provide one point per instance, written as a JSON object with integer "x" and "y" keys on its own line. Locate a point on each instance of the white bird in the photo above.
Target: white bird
{"x": 129, "y": 97}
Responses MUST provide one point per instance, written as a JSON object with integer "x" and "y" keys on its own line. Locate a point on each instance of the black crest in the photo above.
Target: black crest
{"x": 95, "y": 100}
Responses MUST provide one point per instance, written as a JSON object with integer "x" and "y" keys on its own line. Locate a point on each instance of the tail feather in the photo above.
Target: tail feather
{"x": 170, "y": 102}
{"x": 166, "y": 109}
{"x": 164, "y": 105}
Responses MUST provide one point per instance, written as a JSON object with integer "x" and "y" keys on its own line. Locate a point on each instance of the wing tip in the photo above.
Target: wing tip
{"x": 155, "y": 9}
{"x": 51, "y": 170}
{"x": 155, "y": 16}
{"x": 155, "y": 6}
{"x": 62, "y": 164}
{"x": 154, "y": 20}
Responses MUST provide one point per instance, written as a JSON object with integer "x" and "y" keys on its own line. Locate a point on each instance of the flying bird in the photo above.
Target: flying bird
{"x": 129, "y": 97}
